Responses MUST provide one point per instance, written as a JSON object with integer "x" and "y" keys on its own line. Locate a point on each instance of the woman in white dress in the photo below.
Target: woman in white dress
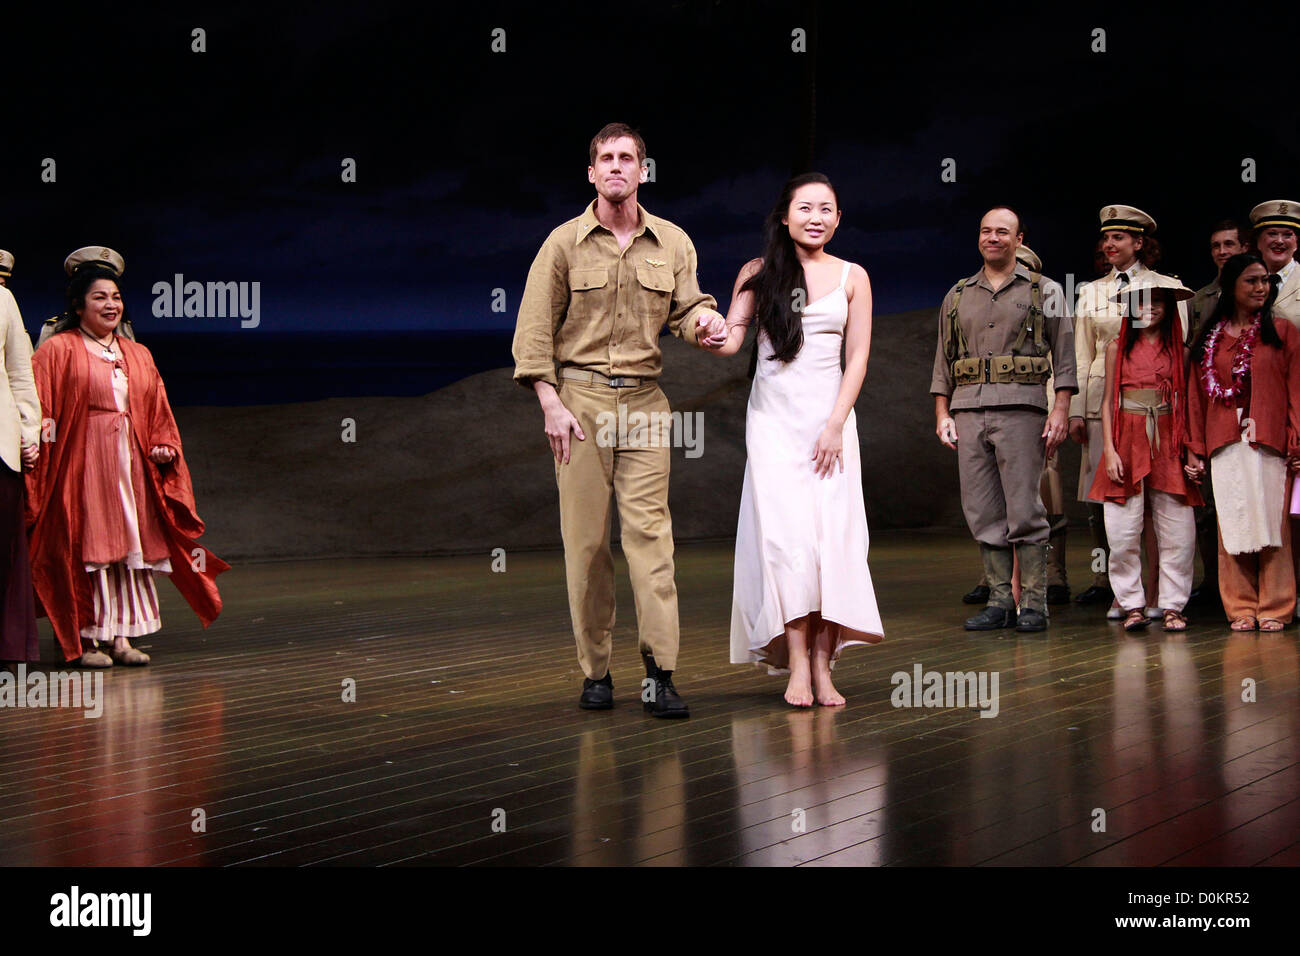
{"x": 802, "y": 589}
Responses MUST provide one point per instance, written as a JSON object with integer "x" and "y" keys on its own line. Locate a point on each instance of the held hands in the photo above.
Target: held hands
{"x": 947, "y": 432}
{"x": 161, "y": 455}
{"x": 30, "y": 454}
{"x": 711, "y": 330}
{"x": 1079, "y": 431}
{"x": 829, "y": 450}
{"x": 1195, "y": 467}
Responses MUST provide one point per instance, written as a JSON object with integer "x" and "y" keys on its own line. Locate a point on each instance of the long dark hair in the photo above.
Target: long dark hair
{"x": 83, "y": 277}
{"x": 1227, "y": 305}
{"x": 1171, "y": 342}
{"x": 1170, "y": 320}
{"x": 780, "y": 279}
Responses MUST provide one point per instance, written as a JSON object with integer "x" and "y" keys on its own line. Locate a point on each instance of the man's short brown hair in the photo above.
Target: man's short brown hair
{"x": 1230, "y": 225}
{"x": 614, "y": 131}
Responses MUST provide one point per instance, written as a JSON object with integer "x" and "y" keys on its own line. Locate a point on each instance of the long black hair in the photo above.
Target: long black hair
{"x": 780, "y": 280}
{"x": 83, "y": 277}
{"x": 1227, "y": 305}
{"x": 1167, "y": 323}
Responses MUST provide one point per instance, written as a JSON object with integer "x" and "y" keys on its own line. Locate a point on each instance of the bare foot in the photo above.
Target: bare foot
{"x": 798, "y": 693}
{"x": 827, "y": 695}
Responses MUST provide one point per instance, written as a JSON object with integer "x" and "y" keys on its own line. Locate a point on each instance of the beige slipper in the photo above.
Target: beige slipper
{"x": 131, "y": 657}
{"x": 95, "y": 658}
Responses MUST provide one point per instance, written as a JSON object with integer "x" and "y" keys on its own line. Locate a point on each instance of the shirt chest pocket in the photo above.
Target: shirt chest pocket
{"x": 653, "y": 291}
{"x": 587, "y": 291}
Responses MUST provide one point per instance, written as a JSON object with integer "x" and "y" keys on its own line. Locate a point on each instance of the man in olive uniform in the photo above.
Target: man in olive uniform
{"x": 106, "y": 257}
{"x": 6, "y": 266}
{"x": 1053, "y": 494}
{"x": 1276, "y": 225}
{"x": 1002, "y": 333}
{"x": 1225, "y": 242}
{"x": 598, "y": 294}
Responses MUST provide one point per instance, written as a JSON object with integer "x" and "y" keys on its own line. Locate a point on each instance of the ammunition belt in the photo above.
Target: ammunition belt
{"x": 1003, "y": 370}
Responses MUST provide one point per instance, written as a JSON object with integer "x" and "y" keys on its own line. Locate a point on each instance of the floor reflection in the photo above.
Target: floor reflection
{"x": 105, "y": 790}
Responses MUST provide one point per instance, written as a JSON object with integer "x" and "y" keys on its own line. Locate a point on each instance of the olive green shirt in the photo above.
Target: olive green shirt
{"x": 991, "y": 322}
{"x": 589, "y": 305}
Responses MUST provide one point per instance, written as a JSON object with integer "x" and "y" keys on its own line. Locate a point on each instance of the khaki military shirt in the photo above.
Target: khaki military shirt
{"x": 589, "y": 305}
{"x": 991, "y": 322}
{"x": 1287, "y": 303}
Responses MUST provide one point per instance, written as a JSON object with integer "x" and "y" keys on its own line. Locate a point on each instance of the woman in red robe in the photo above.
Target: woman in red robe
{"x": 109, "y": 503}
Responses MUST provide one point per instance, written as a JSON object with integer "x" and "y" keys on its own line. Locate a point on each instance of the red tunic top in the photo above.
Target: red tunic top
{"x": 1273, "y": 403}
{"x": 107, "y": 539}
{"x": 56, "y": 493}
{"x": 1147, "y": 365}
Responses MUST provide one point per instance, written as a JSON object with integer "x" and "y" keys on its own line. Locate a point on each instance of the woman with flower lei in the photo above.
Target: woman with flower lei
{"x": 1244, "y": 415}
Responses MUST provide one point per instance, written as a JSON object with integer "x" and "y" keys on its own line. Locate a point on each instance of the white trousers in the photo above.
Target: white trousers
{"x": 1175, "y": 527}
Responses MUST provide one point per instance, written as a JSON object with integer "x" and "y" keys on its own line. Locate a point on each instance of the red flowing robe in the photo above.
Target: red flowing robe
{"x": 54, "y": 487}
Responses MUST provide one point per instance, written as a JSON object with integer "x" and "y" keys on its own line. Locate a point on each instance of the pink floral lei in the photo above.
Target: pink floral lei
{"x": 1240, "y": 368}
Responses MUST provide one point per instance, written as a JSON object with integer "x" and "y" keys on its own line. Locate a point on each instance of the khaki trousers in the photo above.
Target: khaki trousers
{"x": 632, "y": 462}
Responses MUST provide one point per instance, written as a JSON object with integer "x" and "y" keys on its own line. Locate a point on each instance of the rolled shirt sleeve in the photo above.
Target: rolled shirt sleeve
{"x": 941, "y": 382}
{"x": 1060, "y": 333}
{"x": 687, "y": 301}
{"x": 546, "y": 297}
{"x": 1084, "y": 350}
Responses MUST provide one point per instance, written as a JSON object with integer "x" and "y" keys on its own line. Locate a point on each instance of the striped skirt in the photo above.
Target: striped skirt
{"x": 126, "y": 603}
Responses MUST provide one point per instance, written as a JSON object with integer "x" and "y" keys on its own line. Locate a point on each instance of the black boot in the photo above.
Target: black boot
{"x": 992, "y": 618}
{"x": 597, "y": 694}
{"x": 979, "y": 594}
{"x": 1031, "y": 620}
{"x": 1097, "y": 594}
{"x": 658, "y": 693}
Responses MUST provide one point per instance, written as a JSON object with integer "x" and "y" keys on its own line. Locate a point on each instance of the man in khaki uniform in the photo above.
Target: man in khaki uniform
{"x": 598, "y": 294}
{"x": 1002, "y": 333}
{"x": 1276, "y": 225}
{"x": 1225, "y": 242}
{"x": 6, "y": 267}
{"x": 105, "y": 257}
{"x": 1053, "y": 495}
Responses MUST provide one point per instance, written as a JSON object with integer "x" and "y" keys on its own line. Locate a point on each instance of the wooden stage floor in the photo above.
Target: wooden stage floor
{"x": 465, "y": 745}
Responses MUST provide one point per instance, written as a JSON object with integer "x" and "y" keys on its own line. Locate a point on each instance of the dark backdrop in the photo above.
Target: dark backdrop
{"x": 225, "y": 165}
